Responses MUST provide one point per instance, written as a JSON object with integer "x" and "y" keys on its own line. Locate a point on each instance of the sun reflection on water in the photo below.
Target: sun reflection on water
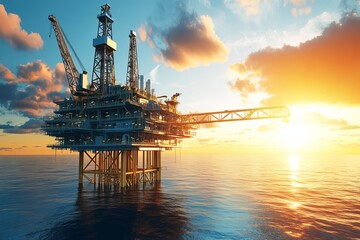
{"x": 293, "y": 164}
{"x": 293, "y": 202}
{"x": 294, "y": 167}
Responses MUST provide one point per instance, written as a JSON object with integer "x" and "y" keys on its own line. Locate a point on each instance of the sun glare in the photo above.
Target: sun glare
{"x": 299, "y": 134}
{"x": 293, "y": 162}
{"x": 294, "y": 135}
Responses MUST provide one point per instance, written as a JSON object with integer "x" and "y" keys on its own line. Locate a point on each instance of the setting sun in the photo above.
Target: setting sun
{"x": 295, "y": 136}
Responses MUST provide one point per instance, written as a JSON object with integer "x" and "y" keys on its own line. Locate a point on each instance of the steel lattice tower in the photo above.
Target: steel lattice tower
{"x": 132, "y": 75}
{"x": 103, "y": 70}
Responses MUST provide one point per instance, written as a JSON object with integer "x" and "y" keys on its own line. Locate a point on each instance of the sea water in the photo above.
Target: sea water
{"x": 199, "y": 197}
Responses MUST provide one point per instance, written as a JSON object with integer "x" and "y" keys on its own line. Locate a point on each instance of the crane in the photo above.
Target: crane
{"x": 77, "y": 82}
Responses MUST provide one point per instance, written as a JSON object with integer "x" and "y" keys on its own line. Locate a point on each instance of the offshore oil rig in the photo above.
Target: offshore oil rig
{"x": 121, "y": 130}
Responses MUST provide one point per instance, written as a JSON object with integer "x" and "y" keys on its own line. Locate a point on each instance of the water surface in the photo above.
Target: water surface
{"x": 200, "y": 197}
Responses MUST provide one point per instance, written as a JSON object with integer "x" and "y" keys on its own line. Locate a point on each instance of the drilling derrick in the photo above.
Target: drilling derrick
{"x": 121, "y": 130}
{"x": 103, "y": 74}
{"x": 132, "y": 75}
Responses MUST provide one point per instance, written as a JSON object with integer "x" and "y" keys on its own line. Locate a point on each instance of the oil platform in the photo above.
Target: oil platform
{"x": 120, "y": 130}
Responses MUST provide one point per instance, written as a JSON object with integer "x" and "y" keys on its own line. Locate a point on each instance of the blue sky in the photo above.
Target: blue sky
{"x": 192, "y": 47}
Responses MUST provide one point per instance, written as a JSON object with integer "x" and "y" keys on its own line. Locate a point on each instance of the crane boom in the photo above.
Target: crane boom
{"x": 235, "y": 115}
{"x": 72, "y": 73}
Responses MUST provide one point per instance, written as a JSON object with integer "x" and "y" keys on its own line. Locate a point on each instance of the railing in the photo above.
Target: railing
{"x": 91, "y": 144}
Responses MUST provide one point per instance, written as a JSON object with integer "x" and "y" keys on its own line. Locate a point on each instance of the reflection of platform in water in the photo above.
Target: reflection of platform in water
{"x": 120, "y": 130}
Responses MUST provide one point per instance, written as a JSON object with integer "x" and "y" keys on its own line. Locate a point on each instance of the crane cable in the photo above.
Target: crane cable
{"x": 72, "y": 49}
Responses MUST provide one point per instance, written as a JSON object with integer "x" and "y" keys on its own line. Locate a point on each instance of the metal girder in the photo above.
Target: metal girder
{"x": 72, "y": 73}
{"x": 235, "y": 115}
{"x": 132, "y": 75}
{"x": 103, "y": 74}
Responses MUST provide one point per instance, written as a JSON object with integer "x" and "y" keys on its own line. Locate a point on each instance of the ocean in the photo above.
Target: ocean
{"x": 200, "y": 197}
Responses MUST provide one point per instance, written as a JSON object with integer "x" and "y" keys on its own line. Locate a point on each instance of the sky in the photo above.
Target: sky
{"x": 220, "y": 54}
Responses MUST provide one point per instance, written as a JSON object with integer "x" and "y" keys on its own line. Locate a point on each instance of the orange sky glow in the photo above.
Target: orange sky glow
{"x": 318, "y": 79}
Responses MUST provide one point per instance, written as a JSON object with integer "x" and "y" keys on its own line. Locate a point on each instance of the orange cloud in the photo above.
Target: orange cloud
{"x": 300, "y": 8}
{"x": 190, "y": 42}
{"x": 142, "y": 33}
{"x": 320, "y": 119}
{"x": 34, "y": 89}
{"x": 248, "y": 8}
{"x": 193, "y": 44}
{"x": 324, "y": 69}
{"x": 11, "y": 31}
{"x": 251, "y": 7}
{"x": 301, "y": 11}
{"x": 6, "y": 74}
{"x": 298, "y": 2}
{"x": 34, "y": 71}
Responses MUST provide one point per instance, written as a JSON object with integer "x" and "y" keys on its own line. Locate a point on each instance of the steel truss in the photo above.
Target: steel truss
{"x": 235, "y": 115}
{"x": 122, "y": 168}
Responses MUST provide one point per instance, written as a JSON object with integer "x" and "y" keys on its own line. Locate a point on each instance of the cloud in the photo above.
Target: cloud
{"x": 189, "y": 42}
{"x": 6, "y": 74}
{"x": 31, "y": 126}
{"x": 33, "y": 71}
{"x": 298, "y": 3}
{"x": 324, "y": 69}
{"x": 246, "y": 82}
{"x": 301, "y": 7}
{"x": 142, "y": 33}
{"x": 268, "y": 127}
{"x": 277, "y": 38}
{"x": 6, "y": 126}
{"x": 249, "y": 7}
{"x": 5, "y": 148}
{"x": 251, "y": 10}
{"x": 349, "y": 127}
{"x": 11, "y": 31}
{"x": 321, "y": 120}
{"x": 350, "y": 5}
{"x": 32, "y": 91}
{"x": 296, "y": 12}
{"x": 7, "y": 93}
{"x": 205, "y": 140}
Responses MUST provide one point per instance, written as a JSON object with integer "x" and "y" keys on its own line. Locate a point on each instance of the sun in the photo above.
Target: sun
{"x": 294, "y": 135}
{"x": 298, "y": 136}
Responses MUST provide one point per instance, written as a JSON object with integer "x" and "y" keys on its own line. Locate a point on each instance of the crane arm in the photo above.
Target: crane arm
{"x": 72, "y": 73}
{"x": 234, "y": 115}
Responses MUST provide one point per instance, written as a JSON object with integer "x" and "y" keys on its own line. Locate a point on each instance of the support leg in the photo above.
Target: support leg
{"x": 124, "y": 162}
{"x": 81, "y": 168}
{"x": 158, "y": 165}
